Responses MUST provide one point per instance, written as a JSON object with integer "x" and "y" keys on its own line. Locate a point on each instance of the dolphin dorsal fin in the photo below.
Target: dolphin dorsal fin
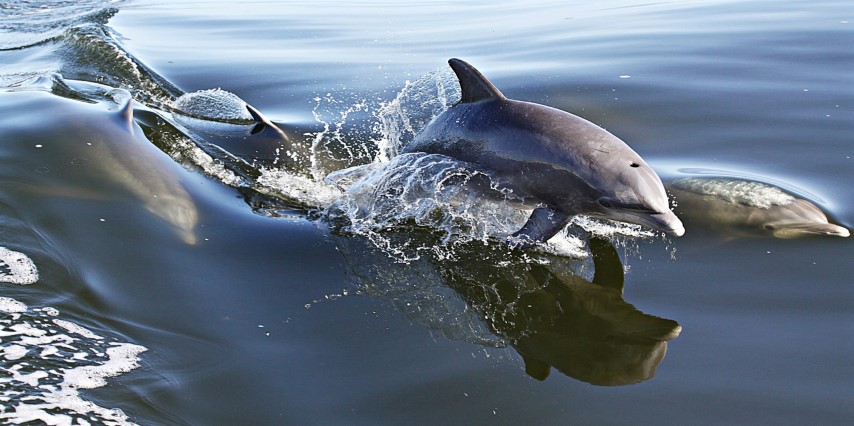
{"x": 126, "y": 114}
{"x": 474, "y": 85}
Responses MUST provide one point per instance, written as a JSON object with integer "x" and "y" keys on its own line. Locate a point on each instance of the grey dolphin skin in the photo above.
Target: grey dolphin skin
{"x": 563, "y": 165}
{"x": 741, "y": 208}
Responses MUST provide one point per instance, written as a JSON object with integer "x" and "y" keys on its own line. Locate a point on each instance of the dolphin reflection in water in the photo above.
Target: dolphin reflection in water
{"x": 552, "y": 316}
{"x": 741, "y": 208}
{"x": 555, "y": 318}
{"x": 86, "y": 146}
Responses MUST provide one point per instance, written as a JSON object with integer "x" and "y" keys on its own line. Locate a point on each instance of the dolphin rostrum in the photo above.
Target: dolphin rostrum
{"x": 748, "y": 207}
{"x": 561, "y": 164}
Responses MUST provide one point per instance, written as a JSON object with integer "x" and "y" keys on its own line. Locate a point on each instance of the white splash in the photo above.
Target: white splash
{"x": 213, "y": 104}
{"x": 414, "y": 106}
{"x": 17, "y": 268}
{"x": 303, "y": 190}
{"x": 45, "y": 361}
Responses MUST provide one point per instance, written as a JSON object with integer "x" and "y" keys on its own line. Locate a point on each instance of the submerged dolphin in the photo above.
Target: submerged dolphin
{"x": 83, "y": 147}
{"x": 561, "y": 164}
{"x": 749, "y": 207}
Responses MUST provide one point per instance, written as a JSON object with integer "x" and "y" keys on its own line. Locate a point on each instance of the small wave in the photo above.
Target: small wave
{"x": 27, "y": 23}
{"x": 91, "y": 52}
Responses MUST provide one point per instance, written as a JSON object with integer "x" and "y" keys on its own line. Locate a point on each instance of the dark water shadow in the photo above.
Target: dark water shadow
{"x": 543, "y": 307}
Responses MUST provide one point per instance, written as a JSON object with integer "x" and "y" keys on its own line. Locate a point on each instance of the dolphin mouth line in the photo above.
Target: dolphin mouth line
{"x": 805, "y": 229}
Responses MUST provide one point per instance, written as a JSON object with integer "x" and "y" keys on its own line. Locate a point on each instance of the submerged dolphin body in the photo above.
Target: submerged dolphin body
{"x": 748, "y": 207}
{"x": 561, "y": 164}
{"x": 84, "y": 148}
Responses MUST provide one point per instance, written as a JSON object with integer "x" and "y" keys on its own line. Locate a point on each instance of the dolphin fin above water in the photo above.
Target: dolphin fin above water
{"x": 126, "y": 115}
{"x": 474, "y": 86}
{"x": 263, "y": 124}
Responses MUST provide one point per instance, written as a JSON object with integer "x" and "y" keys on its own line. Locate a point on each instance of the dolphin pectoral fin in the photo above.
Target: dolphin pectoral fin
{"x": 536, "y": 368}
{"x": 474, "y": 86}
{"x": 543, "y": 224}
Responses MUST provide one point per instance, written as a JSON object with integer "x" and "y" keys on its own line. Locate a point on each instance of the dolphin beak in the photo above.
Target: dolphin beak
{"x": 669, "y": 223}
{"x": 666, "y": 222}
{"x": 810, "y": 229}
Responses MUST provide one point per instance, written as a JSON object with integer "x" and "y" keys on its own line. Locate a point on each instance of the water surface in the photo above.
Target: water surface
{"x": 278, "y": 315}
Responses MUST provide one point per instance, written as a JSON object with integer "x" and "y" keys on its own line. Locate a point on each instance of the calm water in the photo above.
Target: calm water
{"x": 252, "y": 306}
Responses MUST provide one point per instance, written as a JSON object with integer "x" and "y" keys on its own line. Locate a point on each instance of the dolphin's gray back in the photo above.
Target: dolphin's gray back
{"x": 532, "y": 142}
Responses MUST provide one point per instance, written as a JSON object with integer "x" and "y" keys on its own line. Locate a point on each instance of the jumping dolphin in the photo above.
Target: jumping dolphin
{"x": 84, "y": 147}
{"x": 563, "y": 165}
{"x": 748, "y": 207}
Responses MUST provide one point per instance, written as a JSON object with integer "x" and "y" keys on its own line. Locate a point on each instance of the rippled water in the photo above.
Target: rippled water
{"x": 196, "y": 264}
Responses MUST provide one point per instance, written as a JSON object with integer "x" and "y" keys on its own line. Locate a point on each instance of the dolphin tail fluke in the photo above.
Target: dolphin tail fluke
{"x": 543, "y": 224}
{"x": 474, "y": 85}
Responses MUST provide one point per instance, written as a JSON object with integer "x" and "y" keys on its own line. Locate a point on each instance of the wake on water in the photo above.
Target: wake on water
{"x": 362, "y": 135}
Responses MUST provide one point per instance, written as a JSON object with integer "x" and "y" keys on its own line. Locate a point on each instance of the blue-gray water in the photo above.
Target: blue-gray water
{"x": 262, "y": 311}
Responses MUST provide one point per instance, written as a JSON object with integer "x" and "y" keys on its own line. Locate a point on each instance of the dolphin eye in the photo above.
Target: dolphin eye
{"x": 769, "y": 227}
{"x": 605, "y": 204}
{"x": 635, "y": 165}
